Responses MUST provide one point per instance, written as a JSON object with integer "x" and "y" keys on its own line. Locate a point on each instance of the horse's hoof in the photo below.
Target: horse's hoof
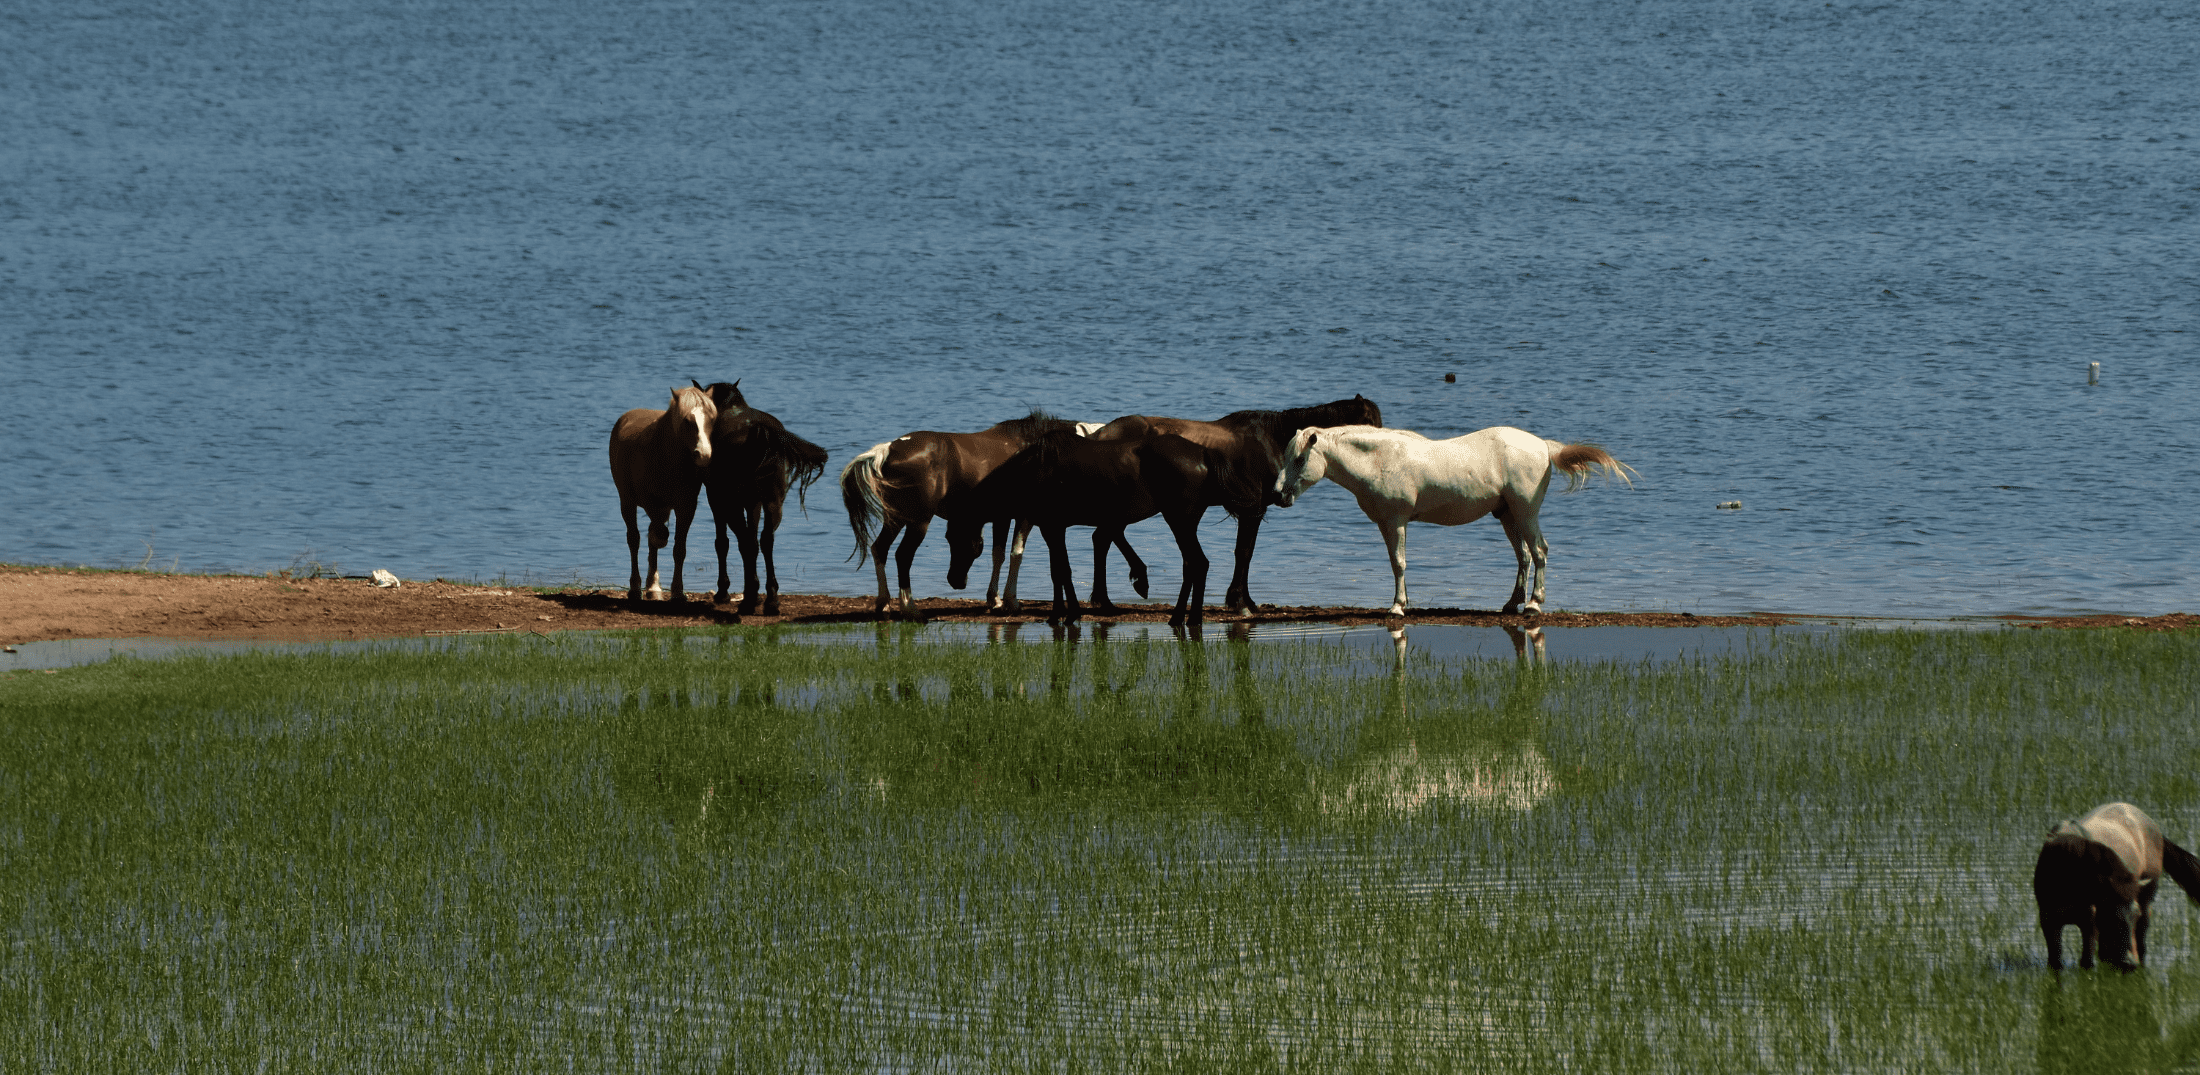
{"x": 721, "y": 597}
{"x": 1104, "y": 608}
{"x": 1139, "y": 584}
{"x": 748, "y": 605}
{"x": 771, "y": 606}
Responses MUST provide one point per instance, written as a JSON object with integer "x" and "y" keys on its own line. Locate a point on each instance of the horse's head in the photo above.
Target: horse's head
{"x": 1303, "y": 465}
{"x": 1357, "y": 411}
{"x": 694, "y": 415}
{"x": 965, "y": 543}
{"x": 726, "y": 397}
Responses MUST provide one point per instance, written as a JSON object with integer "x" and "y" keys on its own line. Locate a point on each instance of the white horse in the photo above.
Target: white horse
{"x": 1401, "y": 476}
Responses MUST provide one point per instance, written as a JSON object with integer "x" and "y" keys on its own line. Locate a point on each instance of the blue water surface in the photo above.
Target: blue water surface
{"x": 368, "y": 285}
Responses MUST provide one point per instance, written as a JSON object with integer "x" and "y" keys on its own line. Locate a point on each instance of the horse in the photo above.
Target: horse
{"x": 902, "y": 483}
{"x": 753, "y": 463}
{"x": 1254, "y": 440}
{"x": 1063, "y": 480}
{"x": 1401, "y": 476}
{"x": 657, "y": 461}
{"x": 2099, "y": 873}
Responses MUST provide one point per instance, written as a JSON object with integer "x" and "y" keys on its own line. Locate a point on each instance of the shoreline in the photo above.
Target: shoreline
{"x": 46, "y": 604}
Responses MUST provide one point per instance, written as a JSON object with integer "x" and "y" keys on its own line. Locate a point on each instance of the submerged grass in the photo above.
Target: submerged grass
{"x": 752, "y": 850}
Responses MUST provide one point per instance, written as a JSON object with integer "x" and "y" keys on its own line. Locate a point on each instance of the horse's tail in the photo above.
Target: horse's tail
{"x": 798, "y": 462}
{"x": 863, "y": 490}
{"x": 1578, "y": 461}
{"x": 2183, "y": 867}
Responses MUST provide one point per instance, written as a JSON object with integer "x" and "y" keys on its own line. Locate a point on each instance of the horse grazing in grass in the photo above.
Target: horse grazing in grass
{"x": 1254, "y": 442}
{"x": 754, "y": 460}
{"x": 2099, "y": 873}
{"x": 901, "y": 484}
{"x": 657, "y": 461}
{"x": 1401, "y": 476}
{"x": 1063, "y": 480}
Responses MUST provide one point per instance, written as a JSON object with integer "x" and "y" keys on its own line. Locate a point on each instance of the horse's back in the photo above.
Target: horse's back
{"x": 2130, "y": 833}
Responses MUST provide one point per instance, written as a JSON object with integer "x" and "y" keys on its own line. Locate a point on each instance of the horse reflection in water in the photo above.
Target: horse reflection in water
{"x": 1497, "y": 765}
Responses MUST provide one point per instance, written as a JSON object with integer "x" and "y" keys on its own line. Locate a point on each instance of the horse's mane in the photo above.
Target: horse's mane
{"x": 1033, "y": 426}
{"x": 1280, "y": 425}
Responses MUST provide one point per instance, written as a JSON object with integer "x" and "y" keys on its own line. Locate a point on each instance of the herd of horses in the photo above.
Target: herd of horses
{"x": 1049, "y": 473}
{"x": 2099, "y": 872}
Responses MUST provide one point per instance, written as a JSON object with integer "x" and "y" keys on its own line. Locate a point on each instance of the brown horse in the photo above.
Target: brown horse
{"x": 2099, "y": 873}
{"x": 901, "y": 484}
{"x": 754, "y": 460}
{"x": 1063, "y": 480}
{"x": 1254, "y": 441}
{"x": 657, "y": 461}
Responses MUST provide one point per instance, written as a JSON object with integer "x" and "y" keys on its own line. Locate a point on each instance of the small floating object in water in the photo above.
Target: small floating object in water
{"x": 1731, "y": 505}
{"x": 384, "y": 579}
{"x": 1453, "y": 378}
{"x": 2092, "y": 373}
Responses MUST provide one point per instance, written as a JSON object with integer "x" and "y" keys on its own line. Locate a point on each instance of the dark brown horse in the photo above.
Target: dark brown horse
{"x": 1254, "y": 442}
{"x": 1063, "y": 480}
{"x": 657, "y": 461}
{"x": 901, "y": 484}
{"x": 2099, "y": 873}
{"x": 754, "y": 460}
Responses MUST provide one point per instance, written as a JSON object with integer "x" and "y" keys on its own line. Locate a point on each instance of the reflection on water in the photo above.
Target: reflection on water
{"x": 1485, "y": 760}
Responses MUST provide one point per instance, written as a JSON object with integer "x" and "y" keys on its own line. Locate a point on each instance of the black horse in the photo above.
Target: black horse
{"x": 2099, "y": 873}
{"x": 754, "y": 460}
{"x": 1254, "y": 442}
{"x": 1063, "y": 480}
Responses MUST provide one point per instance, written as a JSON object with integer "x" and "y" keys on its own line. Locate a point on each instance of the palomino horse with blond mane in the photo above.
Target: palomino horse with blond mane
{"x": 658, "y": 460}
{"x": 1401, "y": 476}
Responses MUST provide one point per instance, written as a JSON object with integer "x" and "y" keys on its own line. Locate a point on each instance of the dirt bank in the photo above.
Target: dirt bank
{"x": 45, "y": 603}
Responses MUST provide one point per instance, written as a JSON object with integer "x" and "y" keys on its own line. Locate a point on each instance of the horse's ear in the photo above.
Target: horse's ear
{"x": 698, "y": 385}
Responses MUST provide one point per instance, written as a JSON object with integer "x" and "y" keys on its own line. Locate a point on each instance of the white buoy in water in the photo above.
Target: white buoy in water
{"x": 2092, "y": 373}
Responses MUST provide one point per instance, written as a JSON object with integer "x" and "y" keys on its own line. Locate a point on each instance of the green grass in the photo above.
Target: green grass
{"x": 757, "y": 850}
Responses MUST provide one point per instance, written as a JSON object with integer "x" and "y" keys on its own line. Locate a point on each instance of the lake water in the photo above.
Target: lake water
{"x": 367, "y": 286}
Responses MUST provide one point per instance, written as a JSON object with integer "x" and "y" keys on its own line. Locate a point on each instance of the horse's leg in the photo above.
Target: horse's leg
{"x": 1394, "y": 538}
{"x": 1065, "y": 589}
{"x": 1102, "y": 605}
{"x": 1191, "y": 597}
{"x": 748, "y": 521}
{"x": 1131, "y": 560}
{"x": 764, "y": 539}
{"x": 1015, "y": 565}
{"x": 681, "y": 516}
{"x": 1239, "y": 598}
{"x": 2146, "y": 918}
{"x": 906, "y": 556}
{"x": 658, "y": 536}
{"x": 633, "y": 552}
{"x": 2052, "y": 930}
{"x": 880, "y": 548}
{"x": 2089, "y": 937}
{"x": 1000, "y": 553}
{"x": 1514, "y": 537}
{"x": 724, "y": 592}
{"x": 1525, "y": 532}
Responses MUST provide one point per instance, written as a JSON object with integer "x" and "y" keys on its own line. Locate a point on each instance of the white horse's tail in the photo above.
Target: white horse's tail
{"x": 862, "y": 489}
{"x": 1579, "y": 461}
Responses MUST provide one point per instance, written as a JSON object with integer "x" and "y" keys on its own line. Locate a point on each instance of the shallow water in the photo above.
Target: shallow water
{"x": 1430, "y": 640}
{"x": 368, "y": 287}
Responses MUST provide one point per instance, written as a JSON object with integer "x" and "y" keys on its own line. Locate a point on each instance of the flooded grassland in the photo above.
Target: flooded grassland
{"x": 765, "y": 851}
